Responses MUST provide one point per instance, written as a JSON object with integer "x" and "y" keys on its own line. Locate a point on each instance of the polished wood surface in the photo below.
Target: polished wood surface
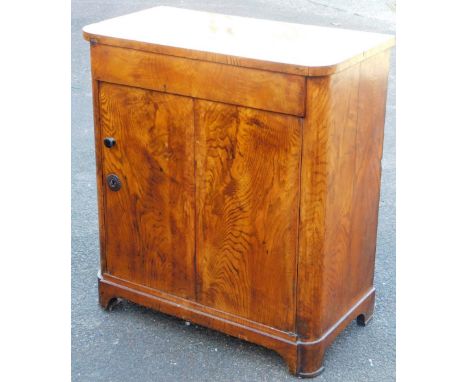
{"x": 250, "y": 188}
{"x": 343, "y": 139}
{"x": 204, "y": 80}
{"x": 247, "y": 211}
{"x": 240, "y": 41}
{"x": 150, "y": 220}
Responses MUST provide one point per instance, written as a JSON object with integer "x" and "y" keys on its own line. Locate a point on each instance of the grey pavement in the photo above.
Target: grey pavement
{"x": 133, "y": 343}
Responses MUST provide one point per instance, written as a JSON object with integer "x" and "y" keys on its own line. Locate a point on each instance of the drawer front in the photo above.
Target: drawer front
{"x": 149, "y": 220}
{"x": 278, "y": 92}
{"x": 247, "y": 189}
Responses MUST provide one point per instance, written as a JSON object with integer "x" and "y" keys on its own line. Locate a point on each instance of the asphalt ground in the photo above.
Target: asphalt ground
{"x": 133, "y": 343}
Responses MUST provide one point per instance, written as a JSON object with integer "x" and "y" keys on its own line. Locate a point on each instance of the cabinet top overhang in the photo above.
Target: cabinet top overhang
{"x": 241, "y": 41}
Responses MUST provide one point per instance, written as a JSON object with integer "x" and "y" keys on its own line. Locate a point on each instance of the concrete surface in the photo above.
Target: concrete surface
{"x": 132, "y": 343}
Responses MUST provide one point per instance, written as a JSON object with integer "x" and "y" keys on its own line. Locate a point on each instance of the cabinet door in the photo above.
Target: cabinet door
{"x": 247, "y": 166}
{"x": 149, "y": 222}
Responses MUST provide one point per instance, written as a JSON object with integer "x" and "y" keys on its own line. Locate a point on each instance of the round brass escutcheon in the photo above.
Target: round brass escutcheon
{"x": 113, "y": 182}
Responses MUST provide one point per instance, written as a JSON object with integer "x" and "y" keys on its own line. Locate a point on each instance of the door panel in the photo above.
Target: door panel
{"x": 150, "y": 220}
{"x": 247, "y": 166}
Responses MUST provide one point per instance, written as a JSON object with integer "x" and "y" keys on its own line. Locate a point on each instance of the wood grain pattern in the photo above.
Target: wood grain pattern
{"x": 99, "y": 176}
{"x": 150, "y": 222}
{"x": 240, "y": 41}
{"x": 340, "y": 192}
{"x": 368, "y": 157}
{"x": 249, "y": 197}
{"x": 303, "y": 358}
{"x": 278, "y": 92}
{"x": 332, "y": 127}
{"x": 247, "y": 211}
{"x": 283, "y": 343}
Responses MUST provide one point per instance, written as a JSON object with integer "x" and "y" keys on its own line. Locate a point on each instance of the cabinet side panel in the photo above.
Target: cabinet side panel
{"x": 247, "y": 166}
{"x": 340, "y": 191}
{"x": 369, "y": 143}
{"x": 327, "y": 191}
{"x": 150, "y": 220}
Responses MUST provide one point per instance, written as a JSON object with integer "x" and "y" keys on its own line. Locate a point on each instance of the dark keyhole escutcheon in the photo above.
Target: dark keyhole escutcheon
{"x": 109, "y": 142}
{"x": 114, "y": 182}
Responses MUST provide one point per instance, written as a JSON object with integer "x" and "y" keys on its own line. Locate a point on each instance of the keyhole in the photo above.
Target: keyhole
{"x": 113, "y": 182}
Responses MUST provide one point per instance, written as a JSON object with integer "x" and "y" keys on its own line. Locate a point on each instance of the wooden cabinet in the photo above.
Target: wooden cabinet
{"x": 238, "y": 172}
